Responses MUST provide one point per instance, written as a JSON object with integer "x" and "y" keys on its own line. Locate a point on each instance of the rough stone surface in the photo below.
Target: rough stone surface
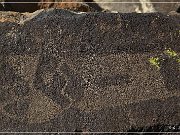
{"x": 63, "y": 71}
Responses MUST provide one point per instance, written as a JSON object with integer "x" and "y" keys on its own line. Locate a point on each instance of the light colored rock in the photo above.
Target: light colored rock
{"x": 139, "y": 6}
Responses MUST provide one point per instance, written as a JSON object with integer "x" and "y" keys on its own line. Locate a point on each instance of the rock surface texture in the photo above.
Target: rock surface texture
{"x": 66, "y": 72}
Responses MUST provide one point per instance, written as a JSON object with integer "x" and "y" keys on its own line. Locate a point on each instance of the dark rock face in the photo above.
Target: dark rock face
{"x": 66, "y": 72}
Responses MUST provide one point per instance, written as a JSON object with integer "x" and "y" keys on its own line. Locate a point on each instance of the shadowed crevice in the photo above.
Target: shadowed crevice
{"x": 178, "y": 10}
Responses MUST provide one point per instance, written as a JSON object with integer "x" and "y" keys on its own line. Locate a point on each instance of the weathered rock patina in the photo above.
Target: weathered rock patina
{"x": 63, "y": 71}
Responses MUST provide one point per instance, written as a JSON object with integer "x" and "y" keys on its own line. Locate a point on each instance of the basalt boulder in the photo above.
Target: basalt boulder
{"x": 62, "y": 71}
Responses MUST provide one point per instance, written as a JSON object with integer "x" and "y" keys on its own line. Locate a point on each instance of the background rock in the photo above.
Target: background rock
{"x": 81, "y": 6}
{"x": 63, "y": 71}
{"x": 166, "y": 7}
{"x": 123, "y": 6}
{"x": 13, "y": 17}
{"x": 45, "y": 4}
{"x": 139, "y": 7}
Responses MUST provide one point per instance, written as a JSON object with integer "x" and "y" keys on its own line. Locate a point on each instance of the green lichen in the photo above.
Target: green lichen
{"x": 178, "y": 60}
{"x": 155, "y": 62}
{"x": 170, "y": 53}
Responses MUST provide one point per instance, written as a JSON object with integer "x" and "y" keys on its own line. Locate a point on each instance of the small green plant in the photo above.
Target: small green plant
{"x": 155, "y": 62}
